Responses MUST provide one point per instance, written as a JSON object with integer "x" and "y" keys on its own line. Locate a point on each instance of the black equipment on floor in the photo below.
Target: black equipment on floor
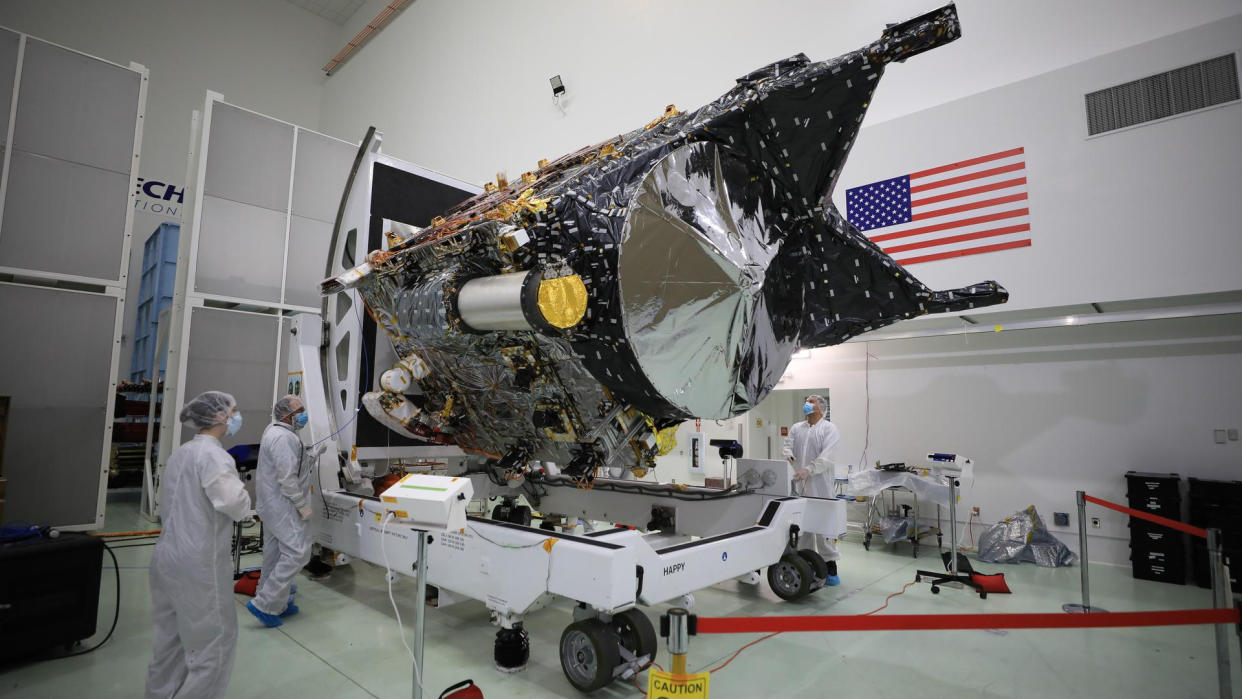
{"x": 49, "y": 592}
{"x": 1156, "y": 552}
{"x": 1217, "y": 504}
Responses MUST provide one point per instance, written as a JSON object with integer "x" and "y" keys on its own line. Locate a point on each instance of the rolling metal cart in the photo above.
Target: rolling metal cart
{"x": 877, "y": 509}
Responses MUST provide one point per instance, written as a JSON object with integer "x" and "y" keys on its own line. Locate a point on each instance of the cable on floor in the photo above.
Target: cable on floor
{"x": 739, "y": 650}
{"x": 116, "y": 612}
{"x": 133, "y": 546}
{"x": 888, "y": 599}
{"x": 113, "y": 535}
{"x": 757, "y": 641}
{"x": 634, "y": 677}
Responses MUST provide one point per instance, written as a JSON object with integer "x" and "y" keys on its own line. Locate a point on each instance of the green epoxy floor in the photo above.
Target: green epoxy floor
{"x": 344, "y": 644}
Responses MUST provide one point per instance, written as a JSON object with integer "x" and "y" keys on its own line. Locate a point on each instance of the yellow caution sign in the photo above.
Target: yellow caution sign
{"x": 666, "y": 685}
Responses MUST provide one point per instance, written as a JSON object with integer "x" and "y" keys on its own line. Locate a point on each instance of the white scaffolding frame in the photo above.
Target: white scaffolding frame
{"x": 114, "y": 288}
{"x": 187, "y": 296}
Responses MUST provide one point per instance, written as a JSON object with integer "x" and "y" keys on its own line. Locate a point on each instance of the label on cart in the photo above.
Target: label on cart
{"x": 666, "y": 685}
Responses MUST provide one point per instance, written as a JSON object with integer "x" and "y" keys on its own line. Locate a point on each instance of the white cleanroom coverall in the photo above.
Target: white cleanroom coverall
{"x": 814, "y": 448}
{"x": 282, "y": 487}
{"x": 192, "y": 605}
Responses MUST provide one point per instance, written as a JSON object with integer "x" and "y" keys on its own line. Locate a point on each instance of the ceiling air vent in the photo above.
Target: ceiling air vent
{"x": 1197, "y": 86}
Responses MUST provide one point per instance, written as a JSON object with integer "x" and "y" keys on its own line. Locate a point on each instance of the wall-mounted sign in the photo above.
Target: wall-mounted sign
{"x": 159, "y": 198}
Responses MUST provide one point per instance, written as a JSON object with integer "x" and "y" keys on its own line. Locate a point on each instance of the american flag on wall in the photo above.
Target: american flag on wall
{"x": 964, "y": 208}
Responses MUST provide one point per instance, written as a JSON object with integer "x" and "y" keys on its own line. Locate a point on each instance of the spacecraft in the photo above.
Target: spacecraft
{"x": 579, "y": 313}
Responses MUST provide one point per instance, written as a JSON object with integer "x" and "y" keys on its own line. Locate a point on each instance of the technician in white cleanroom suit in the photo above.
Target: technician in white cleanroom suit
{"x": 192, "y": 605}
{"x": 811, "y": 449}
{"x": 282, "y": 494}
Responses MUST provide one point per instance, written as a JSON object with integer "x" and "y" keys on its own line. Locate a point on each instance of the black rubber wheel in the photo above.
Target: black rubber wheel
{"x": 636, "y": 633}
{"x": 915, "y": 549}
{"x": 520, "y": 515}
{"x": 547, "y": 526}
{"x": 819, "y": 567}
{"x": 867, "y": 542}
{"x": 589, "y": 653}
{"x": 501, "y": 512}
{"x": 790, "y": 577}
{"x": 935, "y": 590}
{"x": 983, "y": 595}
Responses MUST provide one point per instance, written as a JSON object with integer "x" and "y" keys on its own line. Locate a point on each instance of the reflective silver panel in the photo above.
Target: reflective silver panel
{"x": 699, "y": 271}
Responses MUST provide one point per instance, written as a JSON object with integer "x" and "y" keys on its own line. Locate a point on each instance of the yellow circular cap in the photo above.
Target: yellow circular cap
{"x": 563, "y": 300}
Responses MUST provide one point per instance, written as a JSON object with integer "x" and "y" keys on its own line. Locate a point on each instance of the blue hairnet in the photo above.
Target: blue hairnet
{"x": 208, "y": 409}
{"x": 286, "y": 406}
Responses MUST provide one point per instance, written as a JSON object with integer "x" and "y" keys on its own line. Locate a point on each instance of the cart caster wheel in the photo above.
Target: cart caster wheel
{"x": 915, "y": 551}
{"x": 918, "y": 578}
{"x": 983, "y": 595}
{"x": 589, "y": 652}
{"x": 819, "y": 567}
{"x": 935, "y": 590}
{"x": 790, "y": 577}
{"x": 867, "y": 542}
{"x": 637, "y": 633}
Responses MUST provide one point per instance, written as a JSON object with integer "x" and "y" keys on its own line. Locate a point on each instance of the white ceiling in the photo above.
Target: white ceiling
{"x": 333, "y": 10}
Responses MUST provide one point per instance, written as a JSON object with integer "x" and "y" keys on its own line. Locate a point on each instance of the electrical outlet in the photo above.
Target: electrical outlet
{"x": 974, "y": 511}
{"x": 1061, "y": 519}
{"x": 1233, "y": 434}
{"x": 1220, "y": 436}
{"x": 1095, "y": 522}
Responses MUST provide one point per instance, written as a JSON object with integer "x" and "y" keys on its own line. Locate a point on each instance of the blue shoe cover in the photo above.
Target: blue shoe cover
{"x": 833, "y": 580}
{"x": 290, "y": 610}
{"x": 271, "y": 621}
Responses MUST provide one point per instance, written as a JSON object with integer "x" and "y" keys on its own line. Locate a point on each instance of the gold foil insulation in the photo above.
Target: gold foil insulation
{"x": 563, "y": 300}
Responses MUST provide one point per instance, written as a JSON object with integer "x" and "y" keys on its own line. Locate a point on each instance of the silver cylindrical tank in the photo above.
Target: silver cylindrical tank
{"x": 494, "y": 303}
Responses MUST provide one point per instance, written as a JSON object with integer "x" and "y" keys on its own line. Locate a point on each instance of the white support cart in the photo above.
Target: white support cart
{"x": 706, "y": 536}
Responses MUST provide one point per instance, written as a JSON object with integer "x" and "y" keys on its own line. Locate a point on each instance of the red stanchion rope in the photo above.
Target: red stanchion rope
{"x": 1164, "y": 521}
{"x": 951, "y": 622}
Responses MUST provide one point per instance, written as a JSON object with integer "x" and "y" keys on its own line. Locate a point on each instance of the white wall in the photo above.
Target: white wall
{"x": 1144, "y": 212}
{"x": 759, "y": 432}
{"x": 1046, "y": 412}
{"x": 461, "y": 86}
{"x": 264, "y": 54}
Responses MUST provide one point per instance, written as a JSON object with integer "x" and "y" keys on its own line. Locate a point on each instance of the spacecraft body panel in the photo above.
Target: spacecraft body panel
{"x": 668, "y": 273}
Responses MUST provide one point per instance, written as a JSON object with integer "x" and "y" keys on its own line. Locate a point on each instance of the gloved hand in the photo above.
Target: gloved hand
{"x": 802, "y": 474}
{"x": 305, "y": 512}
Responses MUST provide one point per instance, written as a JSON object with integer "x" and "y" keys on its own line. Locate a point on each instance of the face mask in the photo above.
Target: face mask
{"x": 234, "y": 424}
{"x": 299, "y": 421}
{"x": 807, "y": 408}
